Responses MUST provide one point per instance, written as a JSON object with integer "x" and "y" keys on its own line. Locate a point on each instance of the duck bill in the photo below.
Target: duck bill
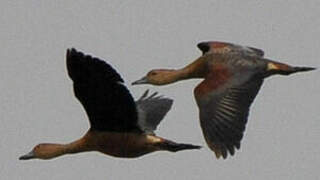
{"x": 143, "y": 80}
{"x": 28, "y": 156}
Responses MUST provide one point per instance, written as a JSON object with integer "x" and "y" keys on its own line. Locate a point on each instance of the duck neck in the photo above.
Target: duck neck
{"x": 77, "y": 146}
{"x": 55, "y": 150}
{"x": 197, "y": 69}
{"x": 52, "y": 150}
{"x": 177, "y": 75}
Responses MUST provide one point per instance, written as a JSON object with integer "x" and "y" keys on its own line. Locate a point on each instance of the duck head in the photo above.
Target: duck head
{"x": 159, "y": 77}
{"x": 44, "y": 151}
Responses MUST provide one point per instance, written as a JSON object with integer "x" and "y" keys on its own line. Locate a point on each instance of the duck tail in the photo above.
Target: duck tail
{"x": 284, "y": 69}
{"x": 302, "y": 69}
{"x": 174, "y": 147}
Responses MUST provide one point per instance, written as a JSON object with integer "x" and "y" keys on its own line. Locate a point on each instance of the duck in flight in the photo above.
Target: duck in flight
{"x": 120, "y": 126}
{"x": 233, "y": 75}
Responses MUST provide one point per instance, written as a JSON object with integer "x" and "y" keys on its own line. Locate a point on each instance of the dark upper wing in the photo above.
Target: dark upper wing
{"x": 224, "y": 101}
{"x": 152, "y": 110}
{"x": 228, "y": 48}
{"x": 108, "y": 103}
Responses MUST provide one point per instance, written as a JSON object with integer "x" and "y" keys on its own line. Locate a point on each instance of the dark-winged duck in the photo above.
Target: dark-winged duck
{"x": 120, "y": 126}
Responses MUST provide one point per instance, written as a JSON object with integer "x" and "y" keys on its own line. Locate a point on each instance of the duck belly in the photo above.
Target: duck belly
{"x": 127, "y": 145}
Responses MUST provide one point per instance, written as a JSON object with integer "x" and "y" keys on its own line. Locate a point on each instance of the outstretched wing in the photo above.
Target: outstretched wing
{"x": 151, "y": 110}
{"x": 108, "y": 103}
{"x": 228, "y": 48}
{"x": 224, "y": 100}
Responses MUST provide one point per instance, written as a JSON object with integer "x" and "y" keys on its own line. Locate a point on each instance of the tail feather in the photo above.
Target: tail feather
{"x": 292, "y": 70}
{"x": 284, "y": 69}
{"x": 174, "y": 147}
{"x": 302, "y": 69}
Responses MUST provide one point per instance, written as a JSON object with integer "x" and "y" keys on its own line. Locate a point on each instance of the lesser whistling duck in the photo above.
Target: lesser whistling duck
{"x": 120, "y": 127}
{"x": 233, "y": 75}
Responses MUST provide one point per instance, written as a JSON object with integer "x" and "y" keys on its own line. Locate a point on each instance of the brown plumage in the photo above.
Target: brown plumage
{"x": 120, "y": 126}
{"x": 233, "y": 75}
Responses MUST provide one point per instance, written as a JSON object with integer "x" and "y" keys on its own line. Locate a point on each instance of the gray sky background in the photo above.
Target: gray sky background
{"x": 38, "y": 105}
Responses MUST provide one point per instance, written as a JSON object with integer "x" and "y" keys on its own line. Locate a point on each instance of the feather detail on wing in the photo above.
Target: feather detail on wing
{"x": 224, "y": 111}
{"x": 151, "y": 110}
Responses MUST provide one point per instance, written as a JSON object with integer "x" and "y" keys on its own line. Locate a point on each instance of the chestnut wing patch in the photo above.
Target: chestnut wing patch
{"x": 216, "y": 80}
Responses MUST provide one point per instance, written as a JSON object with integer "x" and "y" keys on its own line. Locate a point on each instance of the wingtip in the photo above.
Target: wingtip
{"x": 154, "y": 96}
{"x": 144, "y": 95}
{"x": 71, "y": 51}
{"x": 220, "y": 154}
{"x": 68, "y": 52}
